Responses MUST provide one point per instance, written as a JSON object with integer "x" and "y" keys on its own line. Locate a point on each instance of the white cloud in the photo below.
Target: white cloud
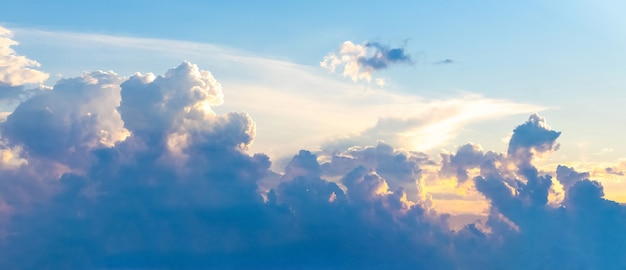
{"x": 64, "y": 124}
{"x": 16, "y": 69}
{"x": 423, "y": 124}
{"x": 360, "y": 61}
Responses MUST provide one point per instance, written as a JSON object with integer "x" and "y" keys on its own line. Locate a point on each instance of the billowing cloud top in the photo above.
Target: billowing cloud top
{"x": 106, "y": 172}
{"x": 360, "y": 61}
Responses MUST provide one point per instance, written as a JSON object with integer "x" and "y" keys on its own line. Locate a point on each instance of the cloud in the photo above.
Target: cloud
{"x": 290, "y": 102}
{"x": 15, "y": 69}
{"x": 427, "y": 125}
{"x": 384, "y": 56}
{"x": 146, "y": 172}
{"x": 400, "y": 169}
{"x": 518, "y": 197}
{"x": 360, "y": 61}
{"x": 605, "y": 151}
{"x": 532, "y": 138}
{"x": 146, "y": 201}
{"x": 77, "y": 116}
{"x": 610, "y": 170}
{"x": 446, "y": 61}
{"x": 179, "y": 190}
{"x": 335, "y": 231}
{"x": 567, "y": 176}
{"x": 468, "y": 156}
{"x": 207, "y": 172}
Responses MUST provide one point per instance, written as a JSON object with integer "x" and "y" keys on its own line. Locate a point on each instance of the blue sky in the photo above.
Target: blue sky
{"x": 451, "y": 124}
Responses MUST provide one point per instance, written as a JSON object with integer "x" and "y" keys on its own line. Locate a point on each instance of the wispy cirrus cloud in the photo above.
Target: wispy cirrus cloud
{"x": 289, "y": 101}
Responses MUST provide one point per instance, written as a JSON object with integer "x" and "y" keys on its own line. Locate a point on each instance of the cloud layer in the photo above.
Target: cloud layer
{"x": 107, "y": 172}
{"x": 290, "y": 102}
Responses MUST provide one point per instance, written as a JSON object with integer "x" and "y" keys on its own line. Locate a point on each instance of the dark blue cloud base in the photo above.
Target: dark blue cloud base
{"x": 181, "y": 192}
{"x": 382, "y": 56}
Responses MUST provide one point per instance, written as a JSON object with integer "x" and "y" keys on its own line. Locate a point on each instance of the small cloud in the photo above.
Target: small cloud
{"x": 381, "y": 82}
{"x": 360, "y": 61}
{"x": 534, "y": 136}
{"x": 446, "y": 61}
{"x": 605, "y": 151}
{"x": 610, "y": 170}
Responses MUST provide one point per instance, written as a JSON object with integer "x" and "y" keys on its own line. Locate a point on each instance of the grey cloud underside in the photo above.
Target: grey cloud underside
{"x": 10, "y": 95}
{"x": 383, "y": 56}
{"x": 140, "y": 173}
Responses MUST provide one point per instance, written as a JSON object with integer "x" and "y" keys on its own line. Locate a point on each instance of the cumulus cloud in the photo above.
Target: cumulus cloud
{"x": 179, "y": 191}
{"x": 531, "y": 139}
{"x": 141, "y": 175}
{"x": 467, "y": 157}
{"x": 400, "y": 169}
{"x": 146, "y": 202}
{"x": 578, "y": 230}
{"x": 360, "y": 61}
{"x": 77, "y": 116}
{"x": 567, "y": 176}
{"x": 16, "y": 70}
{"x": 107, "y": 172}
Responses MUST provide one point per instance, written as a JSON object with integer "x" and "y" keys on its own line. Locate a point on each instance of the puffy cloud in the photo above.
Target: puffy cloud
{"x": 131, "y": 206}
{"x": 105, "y": 172}
{"x": 368, "y": 225}
{"x": 468, "y": 156}
{"x": 16, "y": 70}
{"x": 180, "y": 191}
{"x": 129, "y": 192}
{"x": 400, "y": 169}
{"x": 152, "y": 104}
{"x": 534, "y": 136}
{"x": 65, "y": 124}
{"x": 584, "y": 231}
{"x": 567, "y": 176}
{"x": 360, "y": 61}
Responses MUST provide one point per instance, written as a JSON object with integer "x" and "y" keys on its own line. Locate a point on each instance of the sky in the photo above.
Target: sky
{"x": 312, "y": 135}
